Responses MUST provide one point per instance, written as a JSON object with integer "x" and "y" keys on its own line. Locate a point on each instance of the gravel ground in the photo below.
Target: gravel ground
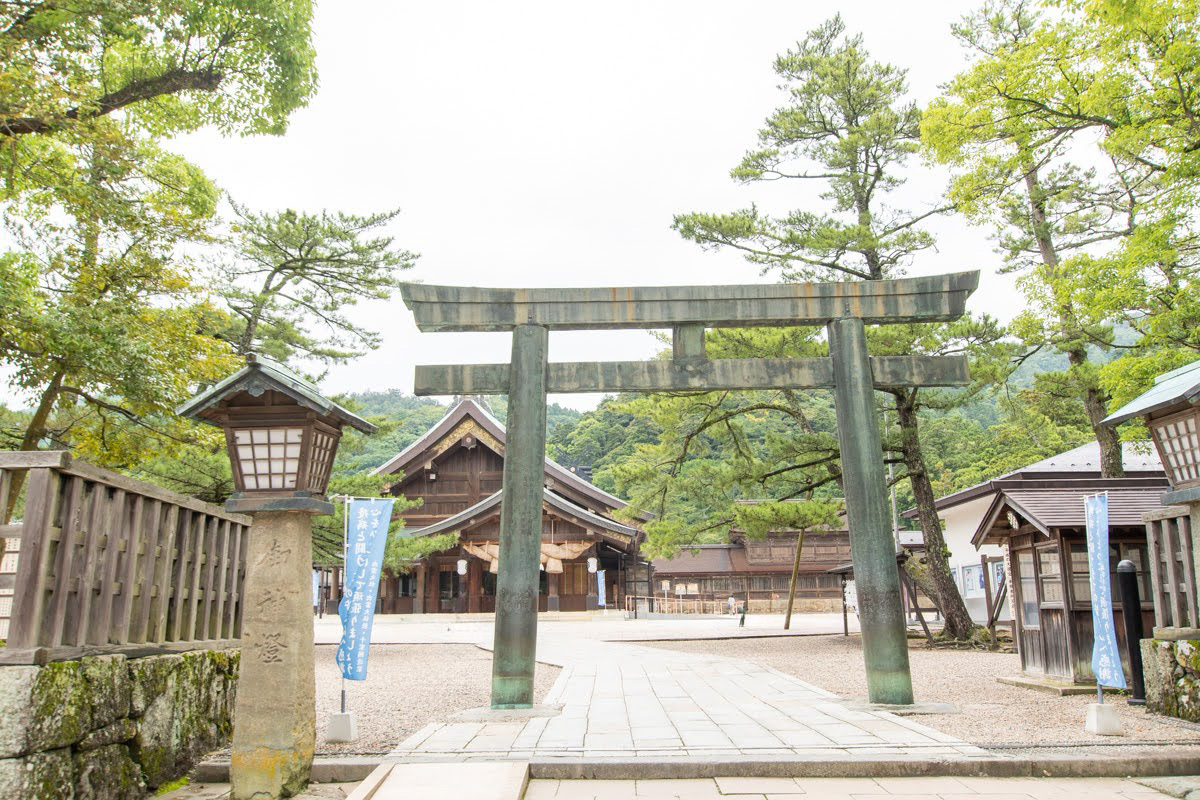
{"x": 407, "y": 687}
{"x": 993, "y": 714}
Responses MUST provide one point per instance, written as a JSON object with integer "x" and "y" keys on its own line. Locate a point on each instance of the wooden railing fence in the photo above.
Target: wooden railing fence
{"x": 109, "y": 564}
{"x": 1172, "y": 570}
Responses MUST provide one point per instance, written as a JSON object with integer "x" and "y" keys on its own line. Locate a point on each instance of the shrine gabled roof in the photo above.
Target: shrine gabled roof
{"x": 465, "y": 408}
{"x": 557, "y": 502}
{"x": 1050, "y": 507}
{"x": 1140, "y": 460}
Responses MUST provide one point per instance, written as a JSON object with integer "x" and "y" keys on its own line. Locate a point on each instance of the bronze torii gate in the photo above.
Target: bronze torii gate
{"x": 845, "y": 309}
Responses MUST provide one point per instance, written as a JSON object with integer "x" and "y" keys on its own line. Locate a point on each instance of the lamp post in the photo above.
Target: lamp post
{"x": 282, "y": 436}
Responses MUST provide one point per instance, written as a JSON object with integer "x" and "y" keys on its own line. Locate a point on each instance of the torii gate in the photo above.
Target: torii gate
{"x": 843, "y": 308}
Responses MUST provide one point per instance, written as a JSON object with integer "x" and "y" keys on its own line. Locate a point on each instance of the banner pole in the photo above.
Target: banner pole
{"x": 345, "y": 562}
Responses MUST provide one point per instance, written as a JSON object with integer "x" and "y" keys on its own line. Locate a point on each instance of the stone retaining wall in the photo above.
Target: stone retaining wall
{"x": 1172, "y": 673}
{"x": 111, "y": 728}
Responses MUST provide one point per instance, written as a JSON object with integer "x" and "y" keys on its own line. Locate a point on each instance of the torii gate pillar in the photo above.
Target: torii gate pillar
{"x": 876, "y": 579}
{"x": 515, "y": 644}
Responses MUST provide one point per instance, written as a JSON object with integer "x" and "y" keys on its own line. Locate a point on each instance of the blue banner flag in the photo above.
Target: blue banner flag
{"x": 600, "y": 598}
{"x": 1106, "y": 658}
{"x": 367, "y": 525}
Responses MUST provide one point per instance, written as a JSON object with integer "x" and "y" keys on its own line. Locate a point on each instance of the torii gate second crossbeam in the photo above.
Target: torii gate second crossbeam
{"x": 843, "y": 308}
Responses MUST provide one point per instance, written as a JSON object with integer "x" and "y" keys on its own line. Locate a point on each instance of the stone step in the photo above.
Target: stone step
{"x": 445, "y": 781}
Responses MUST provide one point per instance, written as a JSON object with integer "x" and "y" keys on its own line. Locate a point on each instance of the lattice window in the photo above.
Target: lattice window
{"x": 269, "y": 457}
{"x": 322, "y": 458}
{"x": 1179, "y": 445}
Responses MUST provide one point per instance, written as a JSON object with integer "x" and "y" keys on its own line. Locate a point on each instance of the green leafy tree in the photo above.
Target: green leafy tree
{"x": 294, "y": 276}
{"x": 1096, "y": 84}
{"x": 99, "y": 317}
{"x": 849, "y": 127}
{"x": 242, "y": 66}
{"x": 101, "y": 322}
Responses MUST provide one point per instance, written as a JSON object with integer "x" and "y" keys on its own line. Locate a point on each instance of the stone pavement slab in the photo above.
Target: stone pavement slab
{"x": 846, "y": 789}
{"x": 624, "y": 701}
{"x": 607, "y": 626}
{"x": 481, "y": 781}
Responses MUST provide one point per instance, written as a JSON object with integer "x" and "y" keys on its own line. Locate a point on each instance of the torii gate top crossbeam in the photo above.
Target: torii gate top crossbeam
{"x": 936, "y": 298}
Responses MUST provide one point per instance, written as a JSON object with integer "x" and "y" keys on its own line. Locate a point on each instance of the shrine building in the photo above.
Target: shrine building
{"x": 589, "y": 559}
{"x": 758, "y": 572}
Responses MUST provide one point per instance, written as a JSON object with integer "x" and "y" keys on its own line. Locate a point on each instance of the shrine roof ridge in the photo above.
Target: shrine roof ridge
{"x": 550, "y": 498}
{"x": 930, "y": 298}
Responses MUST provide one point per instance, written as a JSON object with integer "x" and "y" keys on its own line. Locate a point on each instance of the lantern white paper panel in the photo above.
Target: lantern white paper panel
{"x": 269, "y": 457}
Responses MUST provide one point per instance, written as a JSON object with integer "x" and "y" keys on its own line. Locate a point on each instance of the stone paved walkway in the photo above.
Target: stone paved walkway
{"x": 625, "y": 701}
{"x": 846, "y": 789}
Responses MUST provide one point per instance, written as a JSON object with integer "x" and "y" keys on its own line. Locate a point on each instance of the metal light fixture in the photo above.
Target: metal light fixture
{"x": 592, "y": 564}
{"x": 281, "y": 434}
{"x": 462, "y": 566}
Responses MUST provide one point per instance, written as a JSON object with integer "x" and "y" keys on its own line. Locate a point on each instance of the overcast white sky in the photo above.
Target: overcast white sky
{"x": 550, "y": 143}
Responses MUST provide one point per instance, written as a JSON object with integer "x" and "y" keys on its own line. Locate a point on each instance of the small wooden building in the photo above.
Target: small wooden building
{"x": 456, "y": 468}
{"x": 758, "y": 570}
{"x": 1042, "y": 524}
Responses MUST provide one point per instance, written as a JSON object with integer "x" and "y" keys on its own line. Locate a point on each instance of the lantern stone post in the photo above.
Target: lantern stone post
{"x": 282, "y": 437}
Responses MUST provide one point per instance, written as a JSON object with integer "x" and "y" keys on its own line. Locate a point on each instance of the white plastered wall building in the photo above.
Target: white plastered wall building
{"x": 963, "y": 512}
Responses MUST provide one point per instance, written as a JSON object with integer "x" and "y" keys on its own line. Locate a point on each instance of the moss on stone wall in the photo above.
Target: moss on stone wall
{"x": 109, "y": 728}
{"x": 1172, "y": 673}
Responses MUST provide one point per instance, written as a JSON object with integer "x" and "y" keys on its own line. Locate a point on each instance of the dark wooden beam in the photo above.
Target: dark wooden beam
{"x": 462, "y": 308}
{"x": 691, "y": 375}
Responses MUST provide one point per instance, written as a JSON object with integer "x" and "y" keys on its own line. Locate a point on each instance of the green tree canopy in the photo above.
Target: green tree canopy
{"x": 242, "y": 66}
{"x": 292, "y": 277}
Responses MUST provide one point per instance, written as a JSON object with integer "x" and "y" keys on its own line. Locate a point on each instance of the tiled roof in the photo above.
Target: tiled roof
{"x": 555, "y": 501}
{"x": 1063, "y": 507}
{"x": 1140, "y": 460}
{"x": 1135, "y": 456}
{"x": 705, "y": 558}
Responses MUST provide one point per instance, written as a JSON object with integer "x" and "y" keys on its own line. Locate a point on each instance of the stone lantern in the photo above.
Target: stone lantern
{"x": 282, "y": 436}
{"x": 1171, "y": 409}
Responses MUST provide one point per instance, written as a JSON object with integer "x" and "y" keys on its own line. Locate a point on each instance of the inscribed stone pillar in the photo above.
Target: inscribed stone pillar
{"x": 521, "y": 521}
{"x": 274, "y": 726}
{"x": 876, "y": 576}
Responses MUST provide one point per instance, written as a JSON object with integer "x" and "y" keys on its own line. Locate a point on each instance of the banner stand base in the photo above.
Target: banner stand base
{"x": 1103, "y": 720}
{"x": 342, "y": 728}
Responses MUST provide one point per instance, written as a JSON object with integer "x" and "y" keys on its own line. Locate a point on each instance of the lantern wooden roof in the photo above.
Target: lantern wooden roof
{"x": 1179, "y": 387}
{"x": 261, "y": 375}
